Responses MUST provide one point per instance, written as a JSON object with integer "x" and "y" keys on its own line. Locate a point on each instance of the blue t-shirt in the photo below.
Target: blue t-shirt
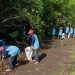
{"x": 12, "y": 50}
{"x": 71, "y": 30}
{"x": 67, "y": 29}
{"x": 35, "y": 42}
{"x": 53, "y": 31}
{"x": 74, "y": 32}
{"x": 60, "y": 32}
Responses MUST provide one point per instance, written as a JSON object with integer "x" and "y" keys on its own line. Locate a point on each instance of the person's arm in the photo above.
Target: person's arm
{"x": 33, "y": 40}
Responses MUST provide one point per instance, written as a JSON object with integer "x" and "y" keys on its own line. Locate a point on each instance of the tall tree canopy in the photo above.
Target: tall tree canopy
{"x": 39, "y": 13}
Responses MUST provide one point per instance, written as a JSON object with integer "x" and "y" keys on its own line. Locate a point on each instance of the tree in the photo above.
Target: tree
{"x": 40, "y": 13}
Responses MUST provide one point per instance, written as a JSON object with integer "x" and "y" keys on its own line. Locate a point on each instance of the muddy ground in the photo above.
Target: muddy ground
{"x": 54, "y": 60}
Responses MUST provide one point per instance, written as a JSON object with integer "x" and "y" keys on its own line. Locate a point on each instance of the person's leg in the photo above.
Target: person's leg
{"x": 11, "y": 59}
{"x": 36, "y": 56}
{"x": 14, "y": 61}
{"x": 72, "y": 35}
{"x": 53, "y": 37}
{"x": 65, "y": 35}
{"x": 0, "y": 55}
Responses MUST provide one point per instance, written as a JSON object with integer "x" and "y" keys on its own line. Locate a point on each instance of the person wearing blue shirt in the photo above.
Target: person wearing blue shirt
{"x": 74, "y": 33}
{"x": 34, "y": 44}
{"x": 12, "y": 53}
{"x": 60, "y": 32}
{"x": 53, "y": 31}
{"x": 67, "y": 29}
{"x": 70, "y": 32}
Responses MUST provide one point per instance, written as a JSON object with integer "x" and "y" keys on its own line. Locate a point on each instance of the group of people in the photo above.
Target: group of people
{"x": 63, "y": 32}
{"x": 11, "y": 52}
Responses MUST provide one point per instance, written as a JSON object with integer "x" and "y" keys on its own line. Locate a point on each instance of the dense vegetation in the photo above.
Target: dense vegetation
{"x": 39, "y": 14}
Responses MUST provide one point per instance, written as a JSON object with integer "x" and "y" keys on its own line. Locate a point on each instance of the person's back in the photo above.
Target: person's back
{"x": 67, "y": 30}
{"x": 36, "y": 42}
{"x": 71, "y": 30}
{"x": 53, "y": 31}
{"x": 12, "y": 50}
{"x": 70, "y": 35}
{"x": 60, "y": 32}
{"x": 74, "y": 33}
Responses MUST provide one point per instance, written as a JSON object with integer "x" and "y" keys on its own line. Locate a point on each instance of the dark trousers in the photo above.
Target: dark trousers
{"x": 36, "y": 58}
{"x": 12, "y": 62}
{"x": 0, "y": 54}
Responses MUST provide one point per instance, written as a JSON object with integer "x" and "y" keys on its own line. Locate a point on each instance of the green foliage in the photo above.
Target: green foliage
{"x": 40, "y": 13}
{"x": 14, "y": 34}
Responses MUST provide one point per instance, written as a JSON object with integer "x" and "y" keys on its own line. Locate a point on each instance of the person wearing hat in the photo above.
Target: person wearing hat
{"x": 34, "y": 45}
{"x": 1, "y": 43}
{"x": 10, "y": 52}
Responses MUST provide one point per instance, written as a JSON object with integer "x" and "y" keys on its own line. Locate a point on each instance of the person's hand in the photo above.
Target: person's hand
{"x": 31, "y": 46}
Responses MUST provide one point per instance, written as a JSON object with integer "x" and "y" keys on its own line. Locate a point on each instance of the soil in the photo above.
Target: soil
{"x": 53, "y": 60}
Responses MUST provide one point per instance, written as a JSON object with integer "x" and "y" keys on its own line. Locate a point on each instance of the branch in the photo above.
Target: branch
{"x": 10, "y": 18}
{"x": 5, "y": 10}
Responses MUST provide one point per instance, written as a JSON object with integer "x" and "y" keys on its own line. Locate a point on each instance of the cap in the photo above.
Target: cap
{"x": 31, "y": 31}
